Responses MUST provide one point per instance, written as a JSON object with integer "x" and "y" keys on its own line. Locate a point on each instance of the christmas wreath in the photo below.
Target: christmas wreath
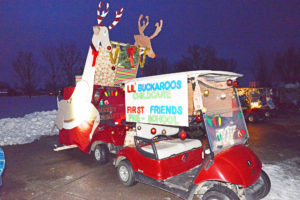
{"x": 129, "y": 56}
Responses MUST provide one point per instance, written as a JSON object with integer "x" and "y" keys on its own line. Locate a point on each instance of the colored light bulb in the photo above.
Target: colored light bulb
{"x": 214, "y": 120}
{"x": 209, "y": 121}
{"x": 206, "y": 92}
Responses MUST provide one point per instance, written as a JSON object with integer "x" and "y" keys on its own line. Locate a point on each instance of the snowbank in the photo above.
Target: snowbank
{"x": 292, "y": 85}
{"x": 285, "y": 180}
{"x": 26, "y": 129}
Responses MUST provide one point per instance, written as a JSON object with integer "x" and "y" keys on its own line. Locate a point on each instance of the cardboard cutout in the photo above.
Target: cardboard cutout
{"x": 77, "y": 117}
{"x": 145, "y": 41}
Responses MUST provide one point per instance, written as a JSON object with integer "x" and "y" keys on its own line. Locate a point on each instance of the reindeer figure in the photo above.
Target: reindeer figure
{"x": 78, "y": 108}
{"x": 145, "y": 41}
{"x": 101, "y": 40}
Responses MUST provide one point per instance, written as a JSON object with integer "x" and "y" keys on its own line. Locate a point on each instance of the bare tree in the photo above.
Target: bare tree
{"x": 226, "y": 64}
{"x": 71, "y": 60}
{"x": 287, "y": 65}
{"x": 199, "y": 58}
{"x": 192, "y": 61}
{"x": 54, "y": 79}
{"x": 157, "y": 66}
{"x": 26, "y": 71}
{"x": 261, "y": 72}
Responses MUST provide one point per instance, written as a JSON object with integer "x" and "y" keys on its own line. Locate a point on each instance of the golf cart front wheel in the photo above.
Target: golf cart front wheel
{"x": 101, "y": 154}
{"x": 126, "y": 173}
{"x": 219, "y": 192}
{"x": 266, "y": 185}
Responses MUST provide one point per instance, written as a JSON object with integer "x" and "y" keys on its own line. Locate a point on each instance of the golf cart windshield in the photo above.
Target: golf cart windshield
{"x": 223, "y": 117}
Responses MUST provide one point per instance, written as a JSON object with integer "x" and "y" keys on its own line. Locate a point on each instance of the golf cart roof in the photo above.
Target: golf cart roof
{"x": 208, "y": 74}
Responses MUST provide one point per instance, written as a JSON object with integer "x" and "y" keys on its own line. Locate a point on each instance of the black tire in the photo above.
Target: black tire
{"x": 261, "y": 117}
{"x": 101, "y": 154}
{"x": 250, "y": 118}
{"x": 268, "y": 114}
{"x": 125, "y": 173}
{"x": 267, "y": 185}
{"x": 219, "y": 192}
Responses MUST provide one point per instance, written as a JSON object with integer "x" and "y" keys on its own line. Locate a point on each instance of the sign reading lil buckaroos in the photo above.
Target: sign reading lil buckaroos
{"x": 159, "y": 100}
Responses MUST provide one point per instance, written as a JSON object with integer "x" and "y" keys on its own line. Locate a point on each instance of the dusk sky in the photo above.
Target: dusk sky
{"x": 236, "y": 29}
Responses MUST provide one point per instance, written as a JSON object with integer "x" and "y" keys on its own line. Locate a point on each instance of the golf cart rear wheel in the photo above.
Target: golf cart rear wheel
{"x": 219, "y": 192}
{"x": 126, "y": 173}
{"x": 101, "y": 154}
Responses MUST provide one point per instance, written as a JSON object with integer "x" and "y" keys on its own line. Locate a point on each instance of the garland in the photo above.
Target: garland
{"x": 142, "y": 63}
{"x": 113, "y": 59}
{"x": 129, "y": 56}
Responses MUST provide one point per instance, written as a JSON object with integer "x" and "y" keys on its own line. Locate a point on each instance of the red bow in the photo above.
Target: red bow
{"x": 131, "y": 51}
{"x": 95, "y": 54}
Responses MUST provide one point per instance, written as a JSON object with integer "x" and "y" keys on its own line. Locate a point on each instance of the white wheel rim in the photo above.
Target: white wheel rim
{"x": 251, "y": 118}
{"x": 124, "y": 174}
{"x": 97, "y": 154}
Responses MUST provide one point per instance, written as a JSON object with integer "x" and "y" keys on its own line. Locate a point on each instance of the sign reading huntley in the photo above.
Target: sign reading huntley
{"x": 158, "y": 100}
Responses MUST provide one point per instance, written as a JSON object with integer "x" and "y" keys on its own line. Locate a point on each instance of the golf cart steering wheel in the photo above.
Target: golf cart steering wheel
{"x": 160, "y": 137}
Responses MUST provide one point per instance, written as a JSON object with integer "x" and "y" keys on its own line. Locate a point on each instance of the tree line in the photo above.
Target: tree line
{"x": 267, "y": 71}
{"x": 63, "y": 62}
{"x": 282, "y": 68}
{"x": 60, "y": 65}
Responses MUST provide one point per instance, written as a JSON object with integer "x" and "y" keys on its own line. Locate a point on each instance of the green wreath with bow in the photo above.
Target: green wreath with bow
{"x": 129, "y": 56}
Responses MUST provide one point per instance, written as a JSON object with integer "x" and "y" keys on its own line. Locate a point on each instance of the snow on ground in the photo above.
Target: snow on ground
{"x": 26, "y": 129}
{"x": 285, "y": 180}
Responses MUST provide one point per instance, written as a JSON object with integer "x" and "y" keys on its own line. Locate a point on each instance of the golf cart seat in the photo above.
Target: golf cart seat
{"x": 168, "y": 148}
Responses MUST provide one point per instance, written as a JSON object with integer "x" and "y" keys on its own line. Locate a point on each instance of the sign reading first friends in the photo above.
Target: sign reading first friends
{"x": 158, "y": 100}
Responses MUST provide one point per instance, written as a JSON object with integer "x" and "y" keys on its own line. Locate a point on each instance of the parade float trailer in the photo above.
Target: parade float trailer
{"x": 146, "y": 122}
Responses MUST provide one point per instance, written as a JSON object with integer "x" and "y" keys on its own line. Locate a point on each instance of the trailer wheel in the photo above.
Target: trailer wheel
{"x": 101, "y": 154}
{"x": 126, "y": 173}
{"x": 261, "y": 117}
{"x": 219, "y": 192}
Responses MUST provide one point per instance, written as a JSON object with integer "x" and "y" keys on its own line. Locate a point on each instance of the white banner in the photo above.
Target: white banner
{"x": 158, "y": 100}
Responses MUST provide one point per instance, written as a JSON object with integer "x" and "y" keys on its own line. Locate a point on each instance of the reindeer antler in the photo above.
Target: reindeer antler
{"x": 158, "y": 29}
{"x": 145, "y": 24}
{"x": 117, "y": 19}
{"x": 103, "y": 14}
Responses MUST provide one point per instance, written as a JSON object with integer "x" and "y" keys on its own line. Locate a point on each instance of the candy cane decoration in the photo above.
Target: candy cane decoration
{"x": 103, "y": 14}
{"x": 117, "y": 19}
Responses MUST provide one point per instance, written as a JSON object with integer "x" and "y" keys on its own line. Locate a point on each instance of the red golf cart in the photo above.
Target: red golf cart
{"x": 158, "y": 150}
{"x": 256, "y": 103}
